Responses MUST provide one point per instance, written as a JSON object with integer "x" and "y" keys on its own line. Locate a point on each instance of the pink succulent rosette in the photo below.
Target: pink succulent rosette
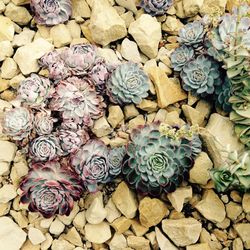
{"x": 51, "y": 12}
{"x": 50, "y": 188}
{"x": 43, "y": 123}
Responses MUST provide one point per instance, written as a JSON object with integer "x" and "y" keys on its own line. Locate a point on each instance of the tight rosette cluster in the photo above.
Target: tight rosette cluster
{"x": 156, "y": 7}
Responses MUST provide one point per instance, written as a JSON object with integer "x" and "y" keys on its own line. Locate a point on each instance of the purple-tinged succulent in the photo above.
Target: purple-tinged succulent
{"x": 200, "y": 76}
{"x": 115, "y": 160}
{"x": 156, "y": 7}
{"x": 128, "y": 84}
{"x": 192, "y": 34}
{"x": 181, "y": 56}
{"x": 71, "y": 141}
{"x": 43, "y": 123}
{"x": 45, "y": 148}
{"x": 18, "y": 123}
{"x": 91, "y": 163}
{"x": 68, "y": 124}
{"x": 79, "y": 58}
{"x": 34, "y": 90}
{"x": 78, "y": 101}
{"x": 50, "y": 188}
{"x": 51, "y": 12}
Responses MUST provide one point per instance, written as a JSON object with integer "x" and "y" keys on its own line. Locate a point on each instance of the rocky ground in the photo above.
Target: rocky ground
{"x": 194, "y": 217}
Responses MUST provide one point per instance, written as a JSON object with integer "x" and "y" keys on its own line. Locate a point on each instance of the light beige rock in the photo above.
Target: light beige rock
{"x": 138, "y": 243}
{"x": 29, "y": 246}
{"x": 147, "y": 105}
{"x": 129, "y": 51}
{"x": 99, "y": 233}
{"x": 26, "y": 56}
{"x": 47, "y": 243}
{"x": 138, "y": 228}
{"x": 19, "y": 218}
{"x": 73, "y": 237}
{"x": 80, "y": 220}
{"x": 61, "y": 245}
{"x": 161, "y": 115}
{"x": 210, "y": 200}
{"x": 45, "y": 223}
{"x": 172, "y": 25}
{"x": 246, "y": 202}
{"x": 112, "y": 212}
{"x": 243, "y": 230}
{"x": 12, "y": 237}
{"x": 96, "y": 213}
{"x": 7, "y": 29}
{"x": 56, "y": 227}
{"x": 25, "y": 37}
{"x": 193, "y": 116}
{"x": 199, "y": 173}
{"x": 204, "y": 107}
{"x": 7, "y": 149}
{"x": 118, "y": 242}
{"x": 4, "y": 208}
{"x": 60, "y": 35}
{"x": 125, "y": 200}
{"x": 80, "y": 9}
{"x": 173, "y": 119}
{"x": 109, "y": 55}
{"x": 213, "y": 7}
{"x": 164, "y": 242}
{"x": 17, "y": 14}
{"x": 135, "y": 122}
{"x": 192, "y": 8}
{"x": 180, "y": 196}
{"x": 9, "y": 68}
{"x": 7, "y": 193}
{"x": 233, "y": 210}
{"x": 182, "y": 232}
{"x": 237, "y": 244}
{"x": 2, "y": 7}
{"x": 152, "y": 211}
{"x": 128, "y": 18}
{"x": 121, "y": 224}
{"x": 128, "y": 4}
{"x": 74, "y": 29}
{"x": 130, "y": 111}
{"x": 115, "y": 115}
{"x": 101, "y": 127}
{"x": 67, "y": 220}
{"x": 20, "y": 2}
{"x": 105, "y": 24}
{"x": 6, "y": 50}
{"x": 168, "y": 91}
{"x": 147, "y": 39}
{"x": 35, "y": 236}
{"x": 201, "y": 246}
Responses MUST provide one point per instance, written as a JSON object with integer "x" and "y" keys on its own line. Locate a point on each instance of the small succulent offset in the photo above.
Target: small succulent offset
{"x": 18, "y": 123}
{"x": 128, "y": 84}
{"x": 235, "y": 174}
{"x": 200, "y": 76}
{"x": 156, "y": 7}
{"x": 51, "y": 12}
{"x": 155, "y": 162}
{"x": 43, "y": 123}
{"x": 50, "y": 189}
{"x": 115, "y": 160}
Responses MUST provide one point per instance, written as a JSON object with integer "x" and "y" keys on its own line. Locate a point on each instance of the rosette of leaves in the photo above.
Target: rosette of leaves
{"x": 50, "y": 188}
{"x": 181, "y": 56}
{"x": 79, "y": 58}
{"x": 115, "y": 160}
{"x": 128, "y": 83}
{"x": 91, "y": 164}
{"x": 43, "y": 123}
{"x": 200, "y": 76}
{"x": 34, "y": 90}
{"x": 78, "y": 101}
{"x": 45, "y": 148}
{"x": 18, "y": 123}
{"x": 51, "y": 12}
{"x": 155, "y": 162}
{"x": 235, "y": 174}
{"x": 156, "y": 7}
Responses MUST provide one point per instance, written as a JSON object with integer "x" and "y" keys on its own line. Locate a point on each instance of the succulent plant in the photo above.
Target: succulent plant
{"x": 115, "y": 160}
{"x": 192, "y": 34}
{"x": 156, "y": 7}
{"x": 51, "y": 12}
{"x": 18, "y": 123}
{"x": 45, "y": 148}
{"x": 128, "y": 84}
{"x": 79, "y": 58}
{"x": 43, "y": 123}
{"x": 200, "y": 76}
{"x": 181, "y": 56}
{"x": 235, "y": 174}
{"x": 50, "y": 188}
{"x": 78, "y": 101}
{"x": 155, "y": 162}
{"x": 91, "y": 163}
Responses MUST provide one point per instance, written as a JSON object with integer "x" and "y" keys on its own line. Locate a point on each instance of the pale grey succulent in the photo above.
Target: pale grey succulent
{"x": 43, "y": 123}
{"x": 115, "y": 160}
{"x": 156, "y": 7}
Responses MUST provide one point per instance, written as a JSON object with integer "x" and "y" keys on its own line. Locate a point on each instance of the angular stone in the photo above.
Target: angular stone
{"x": 138, "y": 243}
{"x": 172, "y": 25}
{"x": 193, "y": 116}
{"x": 7, "y": 193}
{"x": 7, "y": 150}
{"x": 115, "y": 115}
{"x": 147, "y": 105}
{"x": 20, "y": 2}
{"x": 80, "y": 9}
{"x": 9, "y": 68}
{"x": 61, "y": 245}
{"x": 47, "y": 243}
{"x": 138, "y": 228}
{"x": 7, "y": 29}
{"x": 233, "y": 210}
{"x": 237, "y": 244}
{"x": 246, "y": 202}
{"x": 36, "y": 236}
{"x": 128, "y": 18}
{"x": 147, "y": 39}
{"x": 73, "y": 237}
{"x": 112, "y": 212}
{"x": 180, "y": 196}
{"x": 164, "y": 242}
{"x": 211, "y": 7}
{"x": 99, "y": 233}
{"x": 168, "y": 91}
{"x": 192, "y": 8}
{"x": 173, "y": 119}
{"x": 199, "y": 173}
{"x": 137, "y": 121}
{"x": 25, "y": 37}
{"x": 60, "y": 35}
{"x": 74, "y": 29}
{"x": 45, "y": 223}
{"x": 152, "y": 211}
{"x": 19, "y": 218}
{"x": 67, "y": 220}
{"x": 56, "y": 227}
{"x": 118, "y": 242}
{"x": 101, "y": 127}
{"x": 210, "y": 200}
{"x": 243, "y": 230}
{"x": 182, "y": 232}
{"x": 12, "y": 237}
{"x": 128, "y": 4}
{"x": 96, "y": 213}
{"x": 26, "y": 57}
{"x": 105, "y": 24}
{"x": 201, "y": 246}
{"x": 2, "y": 7}
{"x": 121, "y": 224}
{"x": 6, "y": 50}
{"x": 129, "y": 51}
{"x": 109, "y": 55}
{"x": 80, "y": 220}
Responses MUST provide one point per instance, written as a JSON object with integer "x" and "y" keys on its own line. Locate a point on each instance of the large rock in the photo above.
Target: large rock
{"x": 36, "y": 236}
{"x": 164, "y": 242}
{"x": 26, "y": 57}
{"x": 128, "y": 4}
{"x": 211, "y": 7}
{"x": 96, "y": 213}
{"x": 7, "y": 193}
{"x": 112, "y": 212}
{"x": 147, "y": 38}
{"x": 118, "y": 242}
{"x": 138, "y": 243}
{"x": 12, "y": 237}
{"x": 80, "y": 9}
{"x": 182, "y": 232}
{"x": 207, "y": 205}
{"x": 192, "y": 8}
{"x": 61, "y": 35}
{"x": 105, "y": 24}
{"x": 129, "y": 51}
{"x": 125, "y": 200}
{"x": 7, "y": 29}
{"x": 243, "y": 230}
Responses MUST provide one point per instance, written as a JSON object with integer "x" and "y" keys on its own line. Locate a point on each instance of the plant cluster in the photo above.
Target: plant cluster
{"x": 156, "y": 7}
